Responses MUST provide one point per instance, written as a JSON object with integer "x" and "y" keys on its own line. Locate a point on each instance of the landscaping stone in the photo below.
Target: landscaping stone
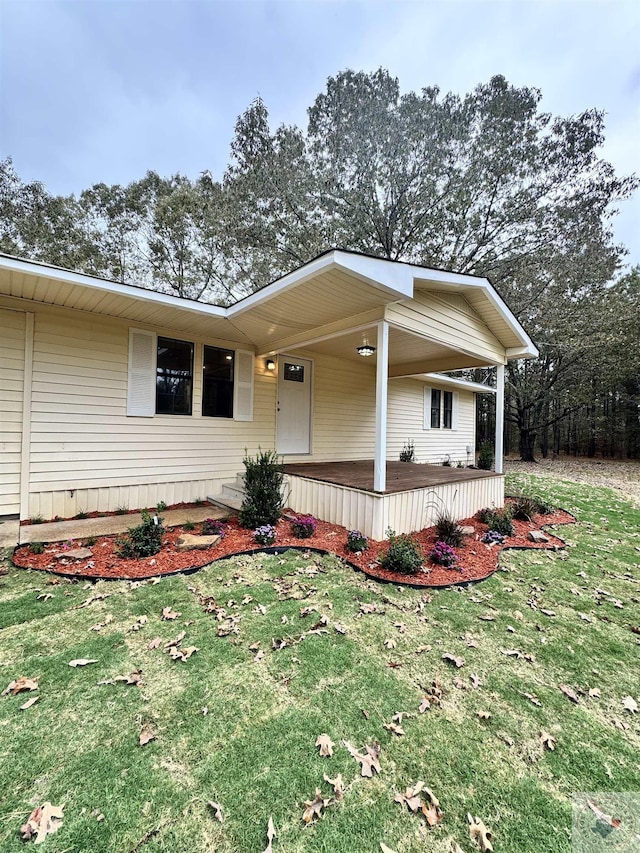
{"x": 75, "y": 554}
{"x": 468, "y": 530}
{"x": 537, "y": 536}
{"x": 191, "y": 542}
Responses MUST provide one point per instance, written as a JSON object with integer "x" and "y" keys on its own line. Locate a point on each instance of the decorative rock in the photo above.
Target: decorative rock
{"x": 537, "y": 536}
{"x": 75, "y": 554}
{"x": 190, "y": 542}
{"x": 468, "y": 530}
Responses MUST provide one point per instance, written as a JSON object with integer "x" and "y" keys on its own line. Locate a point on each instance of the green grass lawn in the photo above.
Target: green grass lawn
{"x": 253, "y": 750}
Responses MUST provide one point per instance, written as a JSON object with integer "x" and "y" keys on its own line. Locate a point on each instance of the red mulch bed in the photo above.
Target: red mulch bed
{"x": 478, "y": 560}
{"x": 95, "y": 514}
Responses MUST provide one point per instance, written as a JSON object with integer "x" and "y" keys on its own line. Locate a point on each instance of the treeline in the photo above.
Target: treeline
{"x": 486, "y": 183}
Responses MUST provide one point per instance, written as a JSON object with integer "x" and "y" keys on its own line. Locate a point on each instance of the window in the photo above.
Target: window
{"x": 435, "y": 408}
{"x": 217, "y": 383}
{"x": 293, "y": 372}
{"x": 174, "y": 377}
{"x": 447, "y": 410}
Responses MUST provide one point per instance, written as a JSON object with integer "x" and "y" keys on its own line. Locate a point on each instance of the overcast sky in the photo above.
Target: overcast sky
{"x": 102, "y": 90}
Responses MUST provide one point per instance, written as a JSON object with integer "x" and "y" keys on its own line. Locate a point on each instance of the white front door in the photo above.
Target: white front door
{"x": 293, "y": 421}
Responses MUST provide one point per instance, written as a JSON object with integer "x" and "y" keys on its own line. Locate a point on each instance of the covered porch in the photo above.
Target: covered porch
{"x": 414, "y": 494}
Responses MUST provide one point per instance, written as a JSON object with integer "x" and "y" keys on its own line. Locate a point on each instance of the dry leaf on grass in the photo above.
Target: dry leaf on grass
{"x": 547, "y": 740}
{"x": 532, "y": 698}
{"x": 100, "y": 625}
{"x": 386, "y": 849}
{"x": 82, "y": 661}
{"x": 458, "y": 662}
{"x": 414, "y": 802}
{"x": 271, "y": 834}
{"x": 613, "y": 822}
{"x": 29, "y": 703}
{"x": 394, "y": 729}
{"x": 368, "y": 762}
{"x": 390, "y": 643}
{"x": 44, "y": 596}
{"x": 169, "y": 613}
{"x": 337, "y": 784}
{"x": 340, "y": 628}
{"x": 314, "y": 807}
{"x": 479, "y": 833}
{"x": 474, "y": 678}
{"x": 569, "y": 692}
{"x": 20, "y": 685}
{"x": 43, "y": 821}
{"x": 594, "y": 692}
{"x": 140, "y": 621}
{"x": 630, "y": 704}
{"x": 155, "y": 643}
{"x": 146, "y": 735}
{"x": 258, "y": 656}
{"x": 133, "y": 678}
{"x": 326, "y": 745}
{"x": 217, "y": 810}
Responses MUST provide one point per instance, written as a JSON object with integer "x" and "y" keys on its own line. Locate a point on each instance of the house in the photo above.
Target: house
{"x": 112, "y": 395}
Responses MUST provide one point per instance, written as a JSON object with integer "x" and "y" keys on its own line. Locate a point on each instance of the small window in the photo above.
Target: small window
{"x": 447, "y": 410}
{"x": 294, "y": 372}
{"x": 217, "y": 383}
{"x": 174, "y": 377}
{"x": 435, "y": 408}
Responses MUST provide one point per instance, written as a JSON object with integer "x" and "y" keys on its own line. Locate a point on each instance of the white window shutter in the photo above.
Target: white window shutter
{"x": 455, "y": 405}
{"x": 243, "y": 386}
{"x": 141, "y": 385}
{"x": 427, "y": 407}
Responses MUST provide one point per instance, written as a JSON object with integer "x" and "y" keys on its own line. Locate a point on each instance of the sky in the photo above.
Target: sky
{"x": 104, "y": 90}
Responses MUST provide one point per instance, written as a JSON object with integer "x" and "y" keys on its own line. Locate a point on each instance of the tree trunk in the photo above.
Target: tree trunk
{"x": 527, "y": 445}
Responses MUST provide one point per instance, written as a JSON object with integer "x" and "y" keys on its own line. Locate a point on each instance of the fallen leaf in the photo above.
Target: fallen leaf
{"x": 254, "y": 647}
{"x": 169, "y": 613}
{"x": 386, "y": 849}
{"x": 340, "y": 628}
{"x": 594, "y": 692}
{"x": 271, "y": 834}
{"x": 146, "y": 735}
{"x": 479, "y": 833}
{"x": 547, "y": 740}
{"x": 613, "y": 822}
{"x": 425, "y": 705}
{"x": 326, "y": 745}
{"x": 484, "y": 715}
{"x": 390, "y": 643}
{"x": 475, "y": 680}
{"x": 176, "y": 641}
{"x": 365, "y": 713}
{"x": 459, "y": 684}
{"x": 259, "y": 656}
{"x": 314, "y": 807}
{"x": 368, "y": 762}
{"x": 217, "y": 810}
{"x": 431, "y": 810}
{"x": 20, "y": 685}
{"x": 44, "y": 596}
{"x": 337, "y": 784}
{"x": 533, "y": 699}
{"x": 422, "y": 649}
{"x": 82, "y": 661}
{"x": 548, "y": 612}
{"x": 456, "y": 661}
{"x": 569, "y": 692}
{"x": 43, "y": 821}
{"x": 394, "y": 728}
{"x": 157, "y": 641}
{"x": 411, "y": 797}
{"x": 630, "y": 704}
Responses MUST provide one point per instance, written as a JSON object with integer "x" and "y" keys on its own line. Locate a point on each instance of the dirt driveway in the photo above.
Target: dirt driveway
{"x": 621, "y": 475}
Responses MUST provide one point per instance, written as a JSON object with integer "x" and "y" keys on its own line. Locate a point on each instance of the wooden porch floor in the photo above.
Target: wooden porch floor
{"x": 401, "y": 476}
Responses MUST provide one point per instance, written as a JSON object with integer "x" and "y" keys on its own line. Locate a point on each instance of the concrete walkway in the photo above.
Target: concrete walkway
{"x": 9, "y": 533}
{"x": 81, "y": 528}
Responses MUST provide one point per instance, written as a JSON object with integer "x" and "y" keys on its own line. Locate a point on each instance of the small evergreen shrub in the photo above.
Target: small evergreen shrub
{"x": 356, "y": 541}
{"x": 265, "y": 534}
{"x": 145, "y": 540}
{"x": 37, "y": 548}
{"x": 492, "y": 537}
{"x": 408, "y": 452}
{"x": 263, "y": 480}
{"x": 483, "y": 514}
{"x": 161, "y": 506}
{"x": 212, "y": 527}
{"x": 403, "y": 555}
{"x": 189, "y": 525}
{"x": 500, "y": 521}
{"x": 304, "y": 526}
{"x": 524, "y": 508}
{"x": 448, "y": 530}
{"x": 485, "y": 456}
{"x": 442, "y": 554}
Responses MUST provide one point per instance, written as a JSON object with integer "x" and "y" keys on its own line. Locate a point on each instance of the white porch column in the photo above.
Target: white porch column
{"x": 382, "y": 378}
{"x": 499, "y": 466}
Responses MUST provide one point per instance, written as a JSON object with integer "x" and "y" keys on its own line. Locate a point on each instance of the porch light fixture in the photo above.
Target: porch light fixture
{"x": 366, "y": 350}
{"x": 270, "y": 364}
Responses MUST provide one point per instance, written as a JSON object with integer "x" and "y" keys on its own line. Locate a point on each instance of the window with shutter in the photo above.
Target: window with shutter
{"x": 243, "y": 389}
{"x": 141, "y": 385}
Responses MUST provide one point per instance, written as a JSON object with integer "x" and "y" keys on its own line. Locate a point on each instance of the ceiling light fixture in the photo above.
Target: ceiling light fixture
{"x": 366, "y": 350}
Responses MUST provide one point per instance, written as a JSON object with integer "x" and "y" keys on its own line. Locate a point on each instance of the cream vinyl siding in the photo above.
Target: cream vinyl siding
{"x": 12, "y": 350}
{"x": 87, "y": 454}
{"x": 406, "y": 421}
{"x": 448, "y": 318}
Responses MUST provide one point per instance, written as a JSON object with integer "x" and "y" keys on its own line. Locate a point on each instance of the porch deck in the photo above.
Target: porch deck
{"x": 401, "y": 476}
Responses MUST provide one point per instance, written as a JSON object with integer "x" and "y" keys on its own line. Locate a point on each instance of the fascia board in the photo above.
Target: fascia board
{"x": 463, "y": 384}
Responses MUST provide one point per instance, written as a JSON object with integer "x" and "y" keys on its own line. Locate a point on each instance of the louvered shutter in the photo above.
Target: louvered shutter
{"x": 141, "y": 386}
{"x": 455, "y": 406}
{"x": 427, "y": 407}
{"x": 243, "y": 386}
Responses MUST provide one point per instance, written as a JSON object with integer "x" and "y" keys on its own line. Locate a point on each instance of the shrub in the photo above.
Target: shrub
{"x": 263, "y": 479}
{"x": 265, "y": 535}
{"x": 36, "y": 547}
{"x": 403, "y": 555}
{"x": 443, "y": 554}
{"x": 483, "y": 514}
{"x": 161, "y": 506}
{"x": 545, "y": 507}
{"x": 408, "y": 452}
{"x": 143, "y": 540}
{"x": 82, "y": 514}
{"x": 524, "y": 508}
{"x": 492, "y": 537}
{"x": 212, "y": 527}
{"x": 189, "y": 525}
{"x": 123, "y": 509}
{"x": 37, "y": 519}
{"x": 459, "y": 464}
{"x": 356, "y": 541}
{"x": 500, "y": 521}
{"x": 90, "y": 541}
{"x": 448, "y": 530}
{"x": 485, "y": 456}
{"x": 304, "y": 526}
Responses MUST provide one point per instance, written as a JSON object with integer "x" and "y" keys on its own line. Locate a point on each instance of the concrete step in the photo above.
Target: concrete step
{"x": 233, "y": 490}
{"x": 226, "y": 502}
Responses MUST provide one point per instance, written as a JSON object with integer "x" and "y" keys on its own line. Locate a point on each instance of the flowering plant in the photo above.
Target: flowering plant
{"x": 304, "y": 526}
{"x": 492, "y": 537}
{"x": 357, "y": 541}
{"x": 213, "y": 527}
{"x": 265, "y": 535}
{"x": 444, "y": 555}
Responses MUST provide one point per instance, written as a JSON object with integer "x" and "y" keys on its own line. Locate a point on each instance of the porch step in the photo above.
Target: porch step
{"x": 233, "y": 490}
{"x": 226, "y": 502}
